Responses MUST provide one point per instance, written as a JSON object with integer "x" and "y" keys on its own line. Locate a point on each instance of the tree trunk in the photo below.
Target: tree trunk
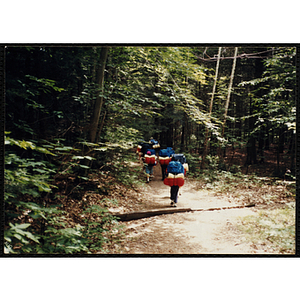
{"x": 182, "y": 136}
{"x": 251, "y": 152}
{"x": 228, "y": 95}
{"x": 206, "y": 141}
{"x": 261, "y": 147}
{"x": 267, "y": 141}
{"x": 99, "y": 99}
{"x": 292, "y": 165}
{"x": 229, "y": 90}
{"x": 281, "y": 139}
{"x": 251, "y": 143}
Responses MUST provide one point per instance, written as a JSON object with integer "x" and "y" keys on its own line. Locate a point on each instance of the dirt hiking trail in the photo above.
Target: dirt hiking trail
{"x": 200, "y": 232}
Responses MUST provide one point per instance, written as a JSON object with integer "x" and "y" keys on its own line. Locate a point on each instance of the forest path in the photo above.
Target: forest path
{"x": 203, "y": 232}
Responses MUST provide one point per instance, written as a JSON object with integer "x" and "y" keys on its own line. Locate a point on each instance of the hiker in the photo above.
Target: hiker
{"x": 174, "y": 179}
{"x": 181, "y": 158}
{"x": 139, "y": 149}
{"x": 144, "y": 148}
{"x": 164, "y": 159}
{"x": 155, "y": 143}
{"x": 149, "y": 161}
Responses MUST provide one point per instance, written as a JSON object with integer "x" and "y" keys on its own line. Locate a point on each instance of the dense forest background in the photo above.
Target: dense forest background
{"x": 76, "y": 112}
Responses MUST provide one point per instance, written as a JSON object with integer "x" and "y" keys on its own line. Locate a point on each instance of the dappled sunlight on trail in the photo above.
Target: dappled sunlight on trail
{"x": 204, "y": 232}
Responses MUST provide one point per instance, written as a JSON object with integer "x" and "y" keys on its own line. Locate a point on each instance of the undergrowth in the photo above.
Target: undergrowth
{"x": 56, "y": 203}
{"x": 273, "y": 230}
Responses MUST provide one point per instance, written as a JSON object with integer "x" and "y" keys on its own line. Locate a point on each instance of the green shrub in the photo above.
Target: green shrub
{"x": 28, "y": 184}
{"x": 194, "y": 164}
{"x": 100, "y": 227}
{"x": 272, "y": 228}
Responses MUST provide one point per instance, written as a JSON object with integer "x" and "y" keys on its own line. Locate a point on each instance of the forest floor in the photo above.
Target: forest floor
{"x": 197, "y": 232}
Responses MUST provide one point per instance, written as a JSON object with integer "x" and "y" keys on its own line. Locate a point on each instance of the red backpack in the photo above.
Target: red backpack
{"x": 175, "y": 172}
{"x": 173, "y": 179}
{"x": 150, "y": 158}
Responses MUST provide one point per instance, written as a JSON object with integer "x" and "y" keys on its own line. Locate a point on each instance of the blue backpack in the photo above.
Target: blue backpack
{"x": 163, "y": 152}
{"x": 146, "y": 147}
{"x": 179, "y": 157}
{"x": 170, "y": 150}
{"x": 166, "y": 152}
{"x": 155, "y": 144}
{"x": 152, "y": 151}
{"x": 175, "y": 167}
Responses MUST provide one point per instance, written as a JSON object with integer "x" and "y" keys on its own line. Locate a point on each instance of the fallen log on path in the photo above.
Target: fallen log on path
{"x": 156, "y": 212}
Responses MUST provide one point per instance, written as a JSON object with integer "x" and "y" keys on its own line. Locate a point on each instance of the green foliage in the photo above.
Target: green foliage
{"x": 276, "y": 90}
{"x": 43, "y": 85}
{"x": 17, "y": 237}
{"x": 121, "y": 137}
{"x": 56, "y": 238}
{"x": 221, "y": 180}
{"x": 99, "y": 226}
{"x": 49, "y": 231}
{"x": 59, "y": 238}
{"x": 194, "y": 164}
{"x": 123, "y": 168}
{"x": 151, "y": 80}
{"x": 26, "y": 176}
{"x": 272, "y": 228}
{"x": 213, "y": 161}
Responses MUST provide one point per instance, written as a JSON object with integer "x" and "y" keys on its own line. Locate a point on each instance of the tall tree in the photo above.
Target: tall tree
{"x": 229, "y": 94}
{"x": 206, "y": 141}
{"x": 99, "y": 98}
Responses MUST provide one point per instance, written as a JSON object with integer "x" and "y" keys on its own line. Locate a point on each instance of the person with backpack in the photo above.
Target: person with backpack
{"x": 139, "y": 149}
{"x": 149, "y": 161}
{"x": 181, "y": 158}
{"x": 164, "y": 159}
{"x": 155, "y": 143}
{"x": 174, "y": 179}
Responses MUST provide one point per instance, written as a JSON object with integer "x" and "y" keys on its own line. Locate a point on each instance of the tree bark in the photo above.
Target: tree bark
{"x": 99, "y": 98}
{"x": 229, "y": 90}
{"x": 206, "y": 141}
{"x": 251, "y": 143}
{"x": 183, "y": 133}
{"x": 228, "y": 97}
{"x": 156, "y": 212}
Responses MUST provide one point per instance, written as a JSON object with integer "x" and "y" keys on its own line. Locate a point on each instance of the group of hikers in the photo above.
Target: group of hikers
{"x": 173, "y": 166}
